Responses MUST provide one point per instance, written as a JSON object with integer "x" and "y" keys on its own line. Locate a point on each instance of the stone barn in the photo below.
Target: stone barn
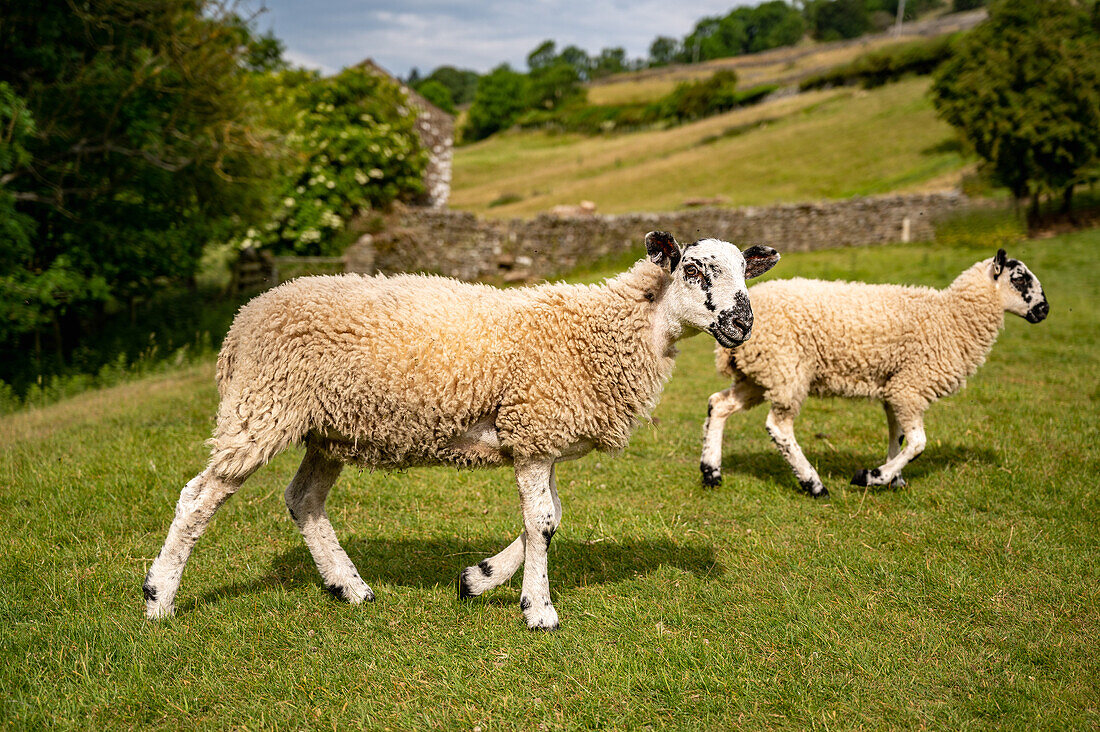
{"x": 436, "y": 129}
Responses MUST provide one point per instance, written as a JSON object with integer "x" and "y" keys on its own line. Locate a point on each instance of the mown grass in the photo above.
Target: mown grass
{"x": 819, "y": 145}
{"x": 968, "y": 600}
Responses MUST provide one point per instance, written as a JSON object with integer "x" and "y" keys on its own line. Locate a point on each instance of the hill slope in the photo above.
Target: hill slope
{"x": 830, "y": 144}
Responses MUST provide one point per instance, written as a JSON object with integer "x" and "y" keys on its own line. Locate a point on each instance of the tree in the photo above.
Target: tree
{"x": 771, "y": 25}
{"x": 544, "y": 55}
{"x": 577, "y": 58}
{"x": 831, "y": 20}
{"x": 663, "y": 51}
{"x": 144, "y": 147}
{"x": 461, "y": 83}
{"x": 437, "y": 94}
{"x": 1023, "y": 89}
{"x": 501, "y": 95}
{"x": 610, "y": 61}
{"x": 551, "y": 86}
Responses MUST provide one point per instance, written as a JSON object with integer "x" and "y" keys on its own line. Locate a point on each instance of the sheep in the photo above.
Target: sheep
{"x": 907, "y": 346}
{"x": 411, "y": 370}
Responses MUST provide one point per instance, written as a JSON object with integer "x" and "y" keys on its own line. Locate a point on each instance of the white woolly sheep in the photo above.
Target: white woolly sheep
{"x": 412, "y": 370}
{"x": 907, "y": 346}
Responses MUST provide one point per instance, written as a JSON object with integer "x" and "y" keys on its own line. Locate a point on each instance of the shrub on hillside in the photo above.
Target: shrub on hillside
{"x": 355, "y": 149}
{"x": 882, "y": 66}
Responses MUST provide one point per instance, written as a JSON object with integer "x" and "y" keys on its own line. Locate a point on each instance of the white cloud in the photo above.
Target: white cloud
{"x": 332, "y": 34}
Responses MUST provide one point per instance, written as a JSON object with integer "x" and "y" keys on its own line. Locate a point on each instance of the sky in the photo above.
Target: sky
{"x": 331, "y": 34}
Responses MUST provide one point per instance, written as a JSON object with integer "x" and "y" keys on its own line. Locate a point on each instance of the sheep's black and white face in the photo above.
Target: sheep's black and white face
{"x": 1021, "y": 292}
{"x": 708, "y": 290}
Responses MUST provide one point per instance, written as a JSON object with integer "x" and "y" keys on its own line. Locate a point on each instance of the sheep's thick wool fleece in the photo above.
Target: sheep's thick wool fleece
{"x": 389, "y": 371}
{"x": 860, "y": 340}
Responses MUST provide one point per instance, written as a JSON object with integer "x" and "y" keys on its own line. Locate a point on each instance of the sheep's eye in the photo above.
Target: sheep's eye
{"x": 1019, "y": 280}
{"x": 690, "y": 270}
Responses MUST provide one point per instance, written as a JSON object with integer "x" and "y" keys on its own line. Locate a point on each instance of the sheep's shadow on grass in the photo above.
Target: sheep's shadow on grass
{"x": 838, "y": 466}
{"x": 426, "y": 564}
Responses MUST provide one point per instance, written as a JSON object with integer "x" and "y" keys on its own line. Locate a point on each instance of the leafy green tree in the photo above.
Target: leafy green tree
{"x": 610, "y": 61}
{"x": 438, "y": 95}
{"x": 544, "y": 55}
{"x": 771, "y": 25}
{"x": 553, "y": 85}
{"x": 144, "y": 147}
{"x": 357, "y": 149}
{"x": 501, "y": 96}
{"x": 462, "y": 83}
{"x": 1023, "y": 89}
{"x": 663, "y": 51}
{"x": 830, "y": 20}
{"x": 577, "y": 58}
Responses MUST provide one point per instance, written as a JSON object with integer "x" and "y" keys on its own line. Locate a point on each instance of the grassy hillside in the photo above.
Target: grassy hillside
{"x": 969, "y": 599}
{"x": 830, "y": 144}
{"x": 784, "y": 66}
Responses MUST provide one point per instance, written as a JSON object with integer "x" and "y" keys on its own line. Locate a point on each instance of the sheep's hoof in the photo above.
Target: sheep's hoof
{"x": 898, "y": 482}
{"x": 156, "y": 611}
{"x": 351, "y": 595}
{"x": 539, "y": 618}
{"x": 867, "y": 477}
{"x": 712, "y": 477}
{"x": 464, "y": 591}
{"x": 815, "y": 488}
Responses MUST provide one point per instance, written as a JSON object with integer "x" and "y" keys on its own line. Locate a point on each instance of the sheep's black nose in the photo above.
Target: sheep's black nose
{"x": 1039, "y": 312}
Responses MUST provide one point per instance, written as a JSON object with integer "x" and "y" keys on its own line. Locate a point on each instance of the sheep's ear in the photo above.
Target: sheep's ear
{"x": 759, "y": 260}
{"x": 999, "y": 263}
{"x": 662, "y": 249}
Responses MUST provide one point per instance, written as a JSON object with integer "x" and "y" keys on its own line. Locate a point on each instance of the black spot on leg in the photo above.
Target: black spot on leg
{"x": 338, "y": 592}
{"x": 876, "y": 473}
{"x": 293, "y": 514}
{"x": 710, "y": 408}
{"x": 149, "y": 591}
{"x": 712, "y": 477}
{"x": 548, "y": 534}
{"x": 524, "y": 604}
{"x": 901, "y": 440}
{"x": 485, "y": 567}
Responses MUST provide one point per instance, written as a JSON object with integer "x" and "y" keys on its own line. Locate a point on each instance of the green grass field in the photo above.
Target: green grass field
{"x": 969, "y": 600}
{"x": 813, "y": 146}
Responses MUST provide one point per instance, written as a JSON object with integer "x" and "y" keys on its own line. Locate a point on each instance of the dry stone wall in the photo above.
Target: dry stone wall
{"x": 461, "y": 245}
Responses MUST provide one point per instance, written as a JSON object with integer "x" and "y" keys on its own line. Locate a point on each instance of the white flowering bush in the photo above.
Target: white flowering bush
{"x": 355, "y": 149}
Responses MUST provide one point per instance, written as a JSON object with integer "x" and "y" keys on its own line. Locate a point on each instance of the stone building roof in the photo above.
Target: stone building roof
{"x": 436, "y": 130}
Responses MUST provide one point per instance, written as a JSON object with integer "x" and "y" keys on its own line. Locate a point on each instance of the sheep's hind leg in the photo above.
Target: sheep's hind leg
{"x": 198, "y": 501}
{"x": 721, "y": 405}
{"x": 912, "y": 426}
{"x": 780, "y": 424}
{"x": 498, "y": 569}
{"x": 305, "y": 498}
{"x": 897, "y": 438}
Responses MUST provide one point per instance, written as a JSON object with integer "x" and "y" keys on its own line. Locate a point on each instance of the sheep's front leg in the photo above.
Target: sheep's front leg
{"x": 741, "y": 395}
{"x": 780, "y": 424}
{"x": 541, "y": 516}
{"x": 498, "y": 569}
{"x": 912, "y": 427}
{"x": 305, "y": 499}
